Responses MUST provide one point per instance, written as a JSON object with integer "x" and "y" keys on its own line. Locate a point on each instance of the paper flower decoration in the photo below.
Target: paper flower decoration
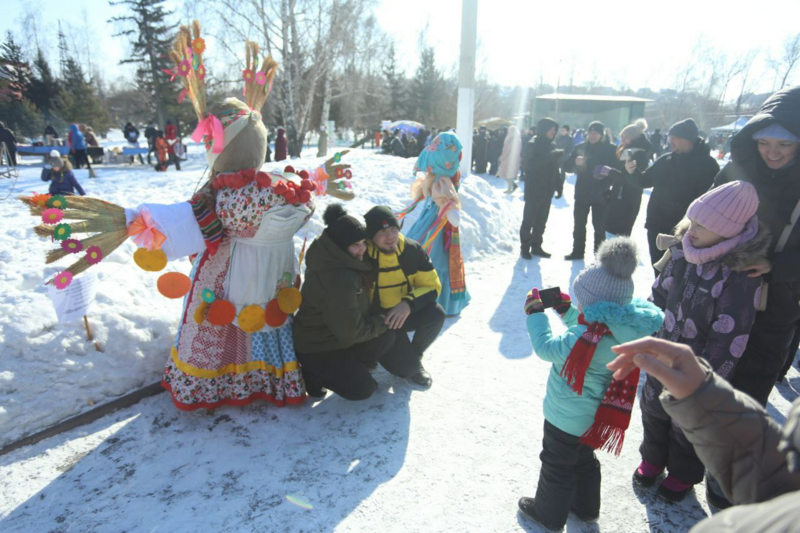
{"x": 62, "y": 232}
{"x": 57, "y": 201}
{"x": 261, "y": 78}
{"x": 62, "y": 280}
{"x": 348, "y": 174}
{"x": 184, "y": 68}
{"x": 40, "y": 199}
{"x": 198, "y": 45}
{"x": 208, "y": 296}
{"x": 339, "y": 172}
{"x": 201, "y": 71}
{"x": 72, "y": 246}
{"x": 52, "y": 216}
{"x": 337, "y": 157}
{"x": 248, "y": 75}
{"x": 94, "y": 255}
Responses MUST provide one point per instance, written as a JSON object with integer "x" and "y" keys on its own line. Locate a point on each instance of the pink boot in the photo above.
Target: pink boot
{"x": 673, "y": 489}
{"x": 646, "y": 473}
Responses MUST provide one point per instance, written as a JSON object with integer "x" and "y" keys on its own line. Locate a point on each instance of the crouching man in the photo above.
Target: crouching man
{"x": 405, "y": 286}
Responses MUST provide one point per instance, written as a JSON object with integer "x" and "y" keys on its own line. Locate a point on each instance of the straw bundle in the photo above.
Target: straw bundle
{"x": 255, "y": 94}
{"x": 183, "y": 49}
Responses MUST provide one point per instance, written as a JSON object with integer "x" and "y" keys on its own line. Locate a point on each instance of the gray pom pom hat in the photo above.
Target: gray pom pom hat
{"x": 609, "y": 278}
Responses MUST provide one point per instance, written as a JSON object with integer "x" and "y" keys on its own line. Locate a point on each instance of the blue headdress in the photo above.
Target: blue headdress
{"x": 441, "y": 156}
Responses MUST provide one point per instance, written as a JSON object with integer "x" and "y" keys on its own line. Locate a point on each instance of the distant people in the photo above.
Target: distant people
{"x": 50, "y": 135}
{"x": 294, "y": 147}
{"x": 398, "y": 148}
{"x": 377, "y": 138}
{"x": 162, "y": 150}
{"x": 677, "y": 179}
{"x": 150, "y": 135}
{"x": 322, "y": 144}
{"x": 91, "y": 139}
{"x": 511, "y": 159}
{"x": 411, "y": 145}
{"x": 494, "y": 150}
{"x": 131, "y": 134}
{"x": 566, "y": 144}
{"x": 625, "y": 198}
{"x": 481, "y": 147}
{"x": 281, "y": 145}
{"x": 10, "y": 140}
{"x": 78, "y": 149}
{"x": 608, "y": 136}
{"x": 591, "y": 188}
{"x": 542, "y": 180}
{"x": 58, "y": 171}
{"x": 579, "y": 137}
{"x": 657, "y": 141}
{"x": 171, "y": 136}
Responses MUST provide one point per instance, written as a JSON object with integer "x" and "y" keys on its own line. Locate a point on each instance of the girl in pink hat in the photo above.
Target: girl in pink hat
{"x": 710, "y": 299}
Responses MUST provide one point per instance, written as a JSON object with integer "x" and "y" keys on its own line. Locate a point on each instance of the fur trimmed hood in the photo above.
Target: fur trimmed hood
{"x": 626, "y": 322}
{"x": 748, "y": 254}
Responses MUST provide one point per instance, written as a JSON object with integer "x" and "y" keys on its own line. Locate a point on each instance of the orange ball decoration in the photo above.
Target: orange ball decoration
{"x": 274, "y": 316}
{"x": 252, "y": 319}
{"x": 221, "y": 313}
{"x": 174, "y": 285}
{"x": 289, "y": 300}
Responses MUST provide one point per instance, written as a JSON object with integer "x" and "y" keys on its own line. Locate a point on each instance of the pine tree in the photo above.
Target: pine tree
{"x": 16, "y": 110}
{"x": 152, "y": 39}
{"x": 14, "y": 69}
{"x": 395, "y": 86}
{"x": 427, "y": 89}
{"x": 78, "y": 102}
{"x": 44, "y": 87}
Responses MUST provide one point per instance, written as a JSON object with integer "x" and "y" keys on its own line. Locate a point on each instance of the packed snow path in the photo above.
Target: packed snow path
{"x": 453, "y": 458}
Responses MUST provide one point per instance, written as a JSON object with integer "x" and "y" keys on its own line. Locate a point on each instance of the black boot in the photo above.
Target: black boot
{"x": 527, "y": 509}
{"x": 525, "y": 253}
{"x": 574, "y": 256}
{"x": 537, "y": 250}
{"x": 422, "y": 378}
{"x": 314, "y": 387}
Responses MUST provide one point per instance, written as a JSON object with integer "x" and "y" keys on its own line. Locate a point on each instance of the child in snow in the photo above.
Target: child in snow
{"x": 59, "y": 173}
{"x": 162, "y": 149}
{"x": 584, "y": 408}
{"x": 709, "y": 302}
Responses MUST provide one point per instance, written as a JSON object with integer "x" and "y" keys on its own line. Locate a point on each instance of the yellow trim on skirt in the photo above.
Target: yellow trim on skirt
{"x": 186, "y": 368}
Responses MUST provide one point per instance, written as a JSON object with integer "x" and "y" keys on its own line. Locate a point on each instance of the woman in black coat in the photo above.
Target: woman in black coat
{"x": 625, "y": 199}
{"x": 765, "y": 153}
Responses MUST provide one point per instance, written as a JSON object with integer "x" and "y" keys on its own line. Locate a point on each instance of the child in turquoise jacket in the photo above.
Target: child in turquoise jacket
{"x": 584, "y": 408}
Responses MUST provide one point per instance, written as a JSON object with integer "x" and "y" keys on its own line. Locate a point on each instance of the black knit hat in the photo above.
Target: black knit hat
{"x": 544, "y": 125}
{"x": 597, "y": 126}
{"x": 342, "y": 228}
{"x": 378, "y": 218}
{"x": 685, "y": 129}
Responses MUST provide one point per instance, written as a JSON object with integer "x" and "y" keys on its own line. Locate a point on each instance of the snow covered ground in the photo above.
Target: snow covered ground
{"x": 453, "y": 458}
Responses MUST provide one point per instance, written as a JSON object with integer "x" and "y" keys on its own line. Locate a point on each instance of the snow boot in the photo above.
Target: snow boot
{"x": 525, "y": 253}
{"x": 646, "y": 473}
{"x": 584, "y": 518}
{"x": 527, "y": 509}
{"x": 541, "y": 253}
{"x": 673, "y": 490}
{"x": 314, "y": 388}
{"x": 574, "y": 256}
{"x": 422, "y": 378}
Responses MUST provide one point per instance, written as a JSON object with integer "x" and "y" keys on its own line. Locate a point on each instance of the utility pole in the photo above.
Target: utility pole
{"x": 466, "y": 82}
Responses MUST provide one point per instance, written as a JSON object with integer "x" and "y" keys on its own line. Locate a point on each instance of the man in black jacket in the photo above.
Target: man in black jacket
{"x": 542, "y": 179}
{"x": 481, "y": 151}
{"x": 677, "y": 179}
{"x": 7, "y": 137}
{"x": 591, "y": 188}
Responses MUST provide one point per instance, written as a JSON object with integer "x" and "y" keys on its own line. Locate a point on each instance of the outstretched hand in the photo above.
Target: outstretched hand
{"x": 674, "y": 365}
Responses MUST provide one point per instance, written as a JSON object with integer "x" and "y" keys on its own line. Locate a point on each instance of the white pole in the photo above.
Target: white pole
{"x": 466, "y": 81}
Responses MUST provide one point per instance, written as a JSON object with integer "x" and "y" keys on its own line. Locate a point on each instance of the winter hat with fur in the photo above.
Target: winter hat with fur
{"x": 342, "y": 228}
{"x": 635, "y": 130}
{"x": 725, "y": 210}
{"x": 609, "y": 278}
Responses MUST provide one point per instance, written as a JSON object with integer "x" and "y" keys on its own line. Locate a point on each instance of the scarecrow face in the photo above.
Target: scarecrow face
{"x": 246, "y": 150}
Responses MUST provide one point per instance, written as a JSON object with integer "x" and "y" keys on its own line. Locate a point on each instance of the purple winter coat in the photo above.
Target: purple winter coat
{"x": 709, "y": 307}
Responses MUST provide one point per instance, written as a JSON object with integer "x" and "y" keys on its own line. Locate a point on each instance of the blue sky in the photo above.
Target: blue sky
{"x": 520, "y": 41}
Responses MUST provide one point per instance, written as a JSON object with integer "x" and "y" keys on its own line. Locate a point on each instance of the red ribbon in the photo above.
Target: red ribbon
{"x": 210, "y": 127}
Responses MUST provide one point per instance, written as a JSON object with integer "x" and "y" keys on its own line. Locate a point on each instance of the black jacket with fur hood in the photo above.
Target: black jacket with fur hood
{"x": 710, "y": 307}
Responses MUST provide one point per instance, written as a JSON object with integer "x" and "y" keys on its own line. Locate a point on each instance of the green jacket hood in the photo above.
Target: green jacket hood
{"x": 626, "y": 322}
{"x": 324, "y": 254}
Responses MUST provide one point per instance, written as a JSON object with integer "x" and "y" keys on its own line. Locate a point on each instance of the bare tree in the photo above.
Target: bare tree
{"x": 788, "y": 60}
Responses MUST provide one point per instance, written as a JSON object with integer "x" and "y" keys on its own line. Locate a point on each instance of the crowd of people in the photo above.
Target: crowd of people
{"x": 404, "y": 143}
{"x": 719, "y": 330}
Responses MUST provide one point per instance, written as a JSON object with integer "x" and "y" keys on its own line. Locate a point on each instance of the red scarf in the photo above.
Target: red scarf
{"x": 614, "y": 414}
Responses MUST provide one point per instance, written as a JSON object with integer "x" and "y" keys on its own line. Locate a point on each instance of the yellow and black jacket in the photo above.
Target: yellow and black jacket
{"x": 406, "y": 274}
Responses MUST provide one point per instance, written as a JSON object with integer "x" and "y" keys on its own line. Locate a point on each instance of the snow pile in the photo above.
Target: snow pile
{"x": 51, "y": 372}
